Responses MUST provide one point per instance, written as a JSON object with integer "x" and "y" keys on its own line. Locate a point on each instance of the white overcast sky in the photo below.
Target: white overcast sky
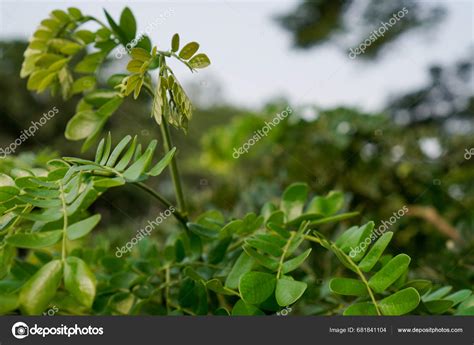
{"x": 252, "y": 56}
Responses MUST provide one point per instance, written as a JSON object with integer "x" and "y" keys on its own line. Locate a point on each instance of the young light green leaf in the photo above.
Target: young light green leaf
{"x": 256, "y": 287}
{"x": 389, "y": 273}
{"x": 175, "y": 43}
{"x": 38, "y": 291}
{"x": 189, "y": 50}
{"x": 289, "y": 291}
{"x": 199, "y": 61}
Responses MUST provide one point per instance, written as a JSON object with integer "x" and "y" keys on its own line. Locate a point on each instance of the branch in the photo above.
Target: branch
{"x": 431, "y": 215}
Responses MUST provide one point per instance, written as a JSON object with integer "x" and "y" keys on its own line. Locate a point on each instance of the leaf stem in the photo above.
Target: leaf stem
{"x": 165, "y": 132}
{"x": 285, "y": 250}
{"x": 353, "y": 265}
{"x": 65, "y": 223}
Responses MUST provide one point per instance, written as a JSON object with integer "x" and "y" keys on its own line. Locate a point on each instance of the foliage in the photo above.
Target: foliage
{"x": 57, "y": 59}
{"x": 250, "y": 265}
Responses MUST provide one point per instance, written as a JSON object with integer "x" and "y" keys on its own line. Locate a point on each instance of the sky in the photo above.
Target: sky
{"x": 252, "y": 57}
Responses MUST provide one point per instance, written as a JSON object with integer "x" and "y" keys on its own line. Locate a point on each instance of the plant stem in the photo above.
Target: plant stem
{"x": 173, "y": 167}
{"x": 178, "y": 215}
{"x": 65, "y": 223}
{"x": 356, "y": 268}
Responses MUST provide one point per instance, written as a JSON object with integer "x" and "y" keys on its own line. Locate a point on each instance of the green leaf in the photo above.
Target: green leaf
{"x": 421, "y": 285}
{"x": 40, "y": 289}
{"x": 118, "y": 150}
{"x": 294, "y": 263}
{"x": 175, "y": 43}
{"x": 375, "y": 252}
{"x": 89, "y": 63}
{"x": 125, "y": 160}
{"x": 116, "y": 29}
{"x": 189, "y": 50}
{"x": 82, "y": 228}
{"x": 83, "y": 84}
{"x": 82, "y": 125}
{"x": 199, "y": 61}
{"x": 134, "y": 172}
{"x": 242, "y": 265}
{"x": 163, "y": 163}
{"x": 293, "y": 200}
{"x": 327, "y": 205}
{"x": 348, "y": 287}
{"x": 79, "y": 281}
{"x": 128, "y": 24}
{"x": 381, "y": 280}
{"x": 256, "y": 287}
{"x": 244, "y": 309}
{"x": 203, "y": 231}
{"x": 439, "y": 306}
{"x": 107, "y": 148}
{"x": 400, "y": 303}
{"x": 8, "y": 303}
{"x": 362, "y": 308}
{"x": 265, "y": 261}
{"x": 35, "y": 239}
{"x": 216, "y": 286}
{"x": 289, "y": 291}
{"x": 437, "y": 294}
{"x": 459, "y": 296}
{"x": 157, "y": 107}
